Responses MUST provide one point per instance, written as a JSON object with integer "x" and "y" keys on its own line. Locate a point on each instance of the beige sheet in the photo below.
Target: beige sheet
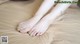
{"x": 3, "y": 1}
{"x": 65, "y": 31}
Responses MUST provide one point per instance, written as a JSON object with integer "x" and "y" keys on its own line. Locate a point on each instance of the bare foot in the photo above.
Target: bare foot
{"x": 40, "y": 28}
{"x": 26, "y": 26}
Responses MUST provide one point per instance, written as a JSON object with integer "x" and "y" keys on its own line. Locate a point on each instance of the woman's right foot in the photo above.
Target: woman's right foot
{"x": 26, "y": 26}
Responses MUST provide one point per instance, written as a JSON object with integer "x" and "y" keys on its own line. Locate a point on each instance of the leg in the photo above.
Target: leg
{"x": 45, "y": 22}
{"x": 27, "y": 25}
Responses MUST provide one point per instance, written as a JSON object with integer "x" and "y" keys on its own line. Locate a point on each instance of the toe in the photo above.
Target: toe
{"x": 20, "y": 28}
{"x": 38, "y": 34}
{"x": 41, "y": 34}
{"x": 34, "y": 33}
{"x": 30, "y": 31}
{"x": 24, "y": 30}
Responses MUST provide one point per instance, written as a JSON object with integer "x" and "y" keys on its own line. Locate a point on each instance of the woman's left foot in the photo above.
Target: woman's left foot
{"x": 40, "y": 28}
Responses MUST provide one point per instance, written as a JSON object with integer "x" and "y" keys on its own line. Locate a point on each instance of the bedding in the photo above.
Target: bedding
{"x": 67, "y": 31}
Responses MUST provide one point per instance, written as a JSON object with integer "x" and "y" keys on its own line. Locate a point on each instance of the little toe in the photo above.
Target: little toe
{"x": 41, "y": 34}
{"x": 20, "y": 28}
{"x": 24, "y": 30}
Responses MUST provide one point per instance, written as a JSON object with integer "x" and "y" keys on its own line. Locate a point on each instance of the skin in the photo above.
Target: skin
{"x": 38, "y": 24}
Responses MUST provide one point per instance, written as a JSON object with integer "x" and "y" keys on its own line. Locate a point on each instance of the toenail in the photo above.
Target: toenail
{"x": 36, "y": 34}
{"x": 28, "y": 32}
